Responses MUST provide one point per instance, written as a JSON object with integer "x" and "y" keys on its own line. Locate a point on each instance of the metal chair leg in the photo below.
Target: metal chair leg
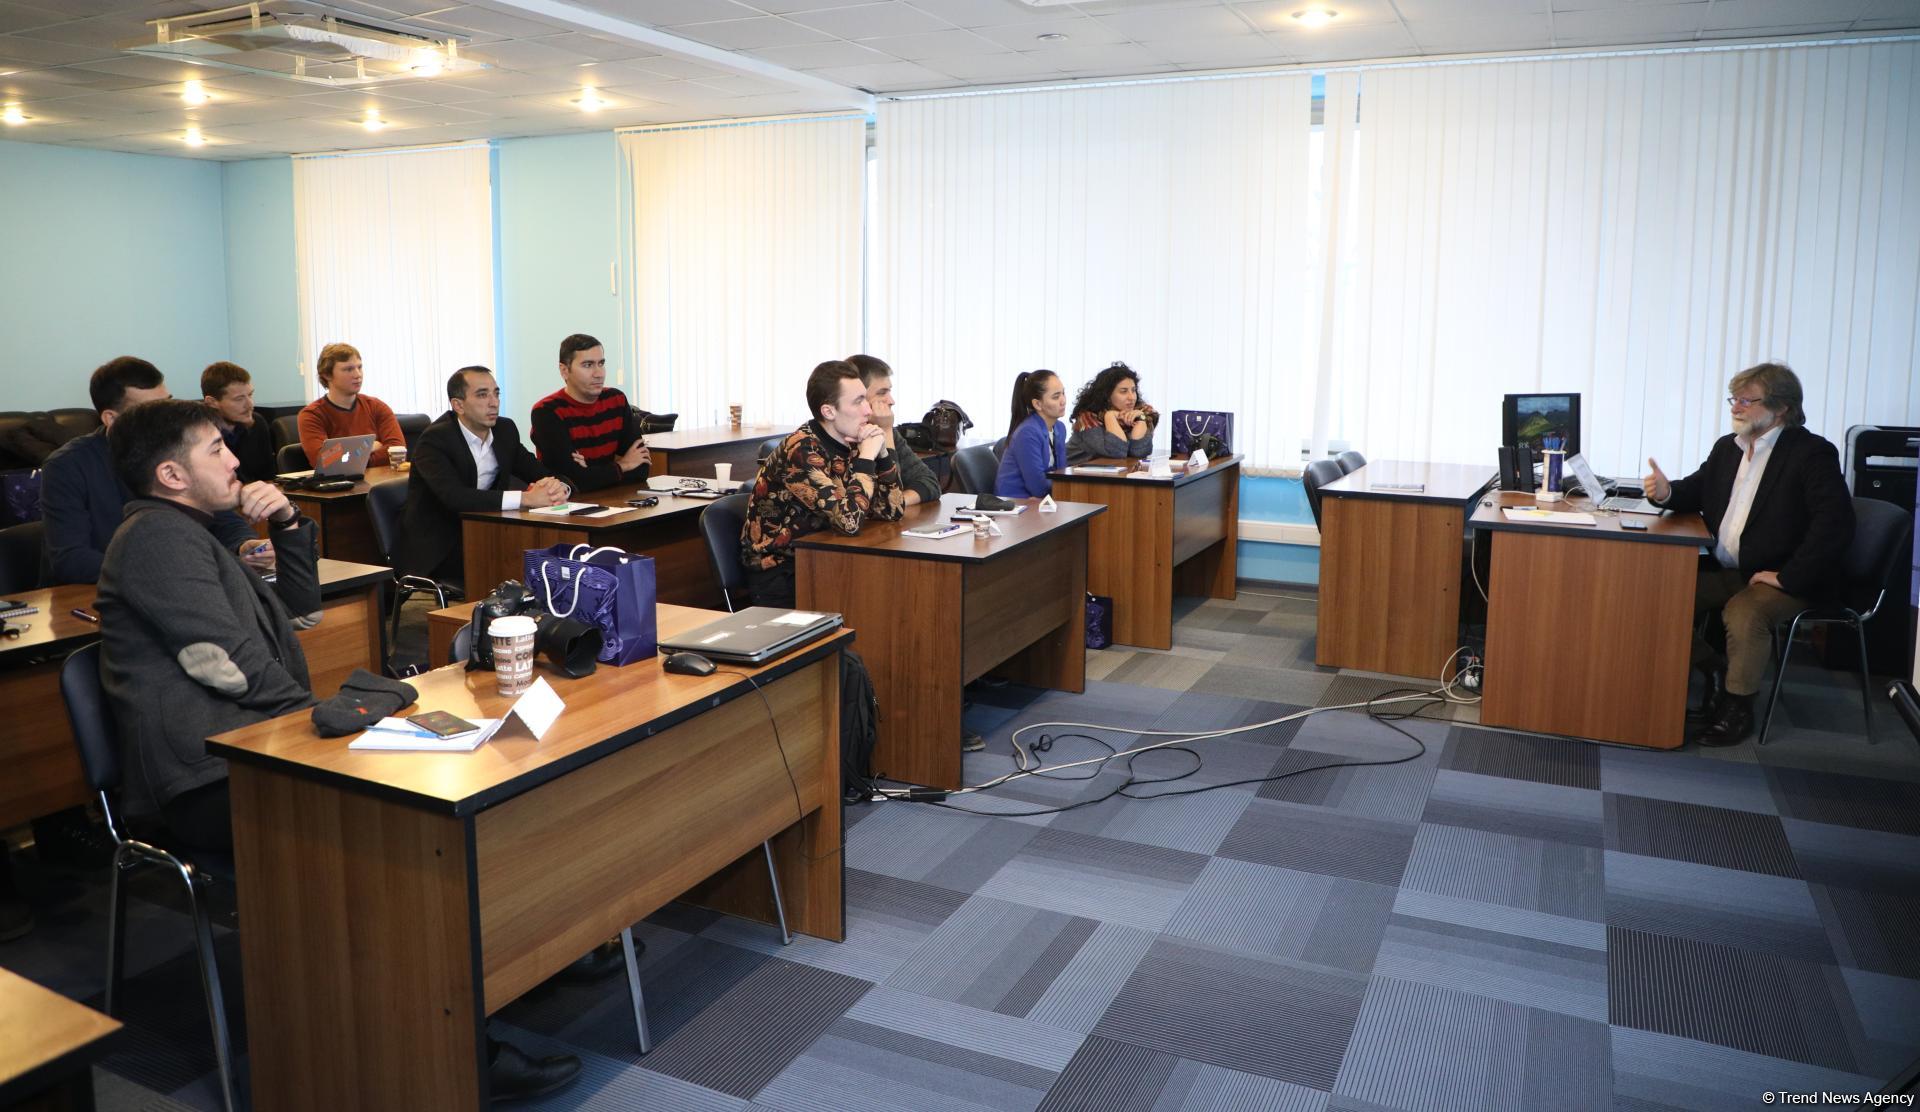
{"x": 1779, "y": 680}
{"x": 210, "y": 982}
{"x": 116, "y": 928}
{"x": 400, "y": 597}
{"x": 1866, "y": 694}
{"x": 633, "y": 990}
{"x": 779, "y": 904}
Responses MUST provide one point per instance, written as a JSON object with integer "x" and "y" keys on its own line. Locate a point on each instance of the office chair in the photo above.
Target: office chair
{"x": 411, "y": 426}
{"x": 98, "y": 745}
{"x": 462, "y": 647}
{"x": 1350, "y": 462}
{"x": 290, "y": 457}
{"x": 767, "y": 446}
{"x": 384, "y": 501}
{"x": 20, "y": 547}
{"x": 286, "y": 430}
{"x": 1318, "y": 474}
{"x": 720, "y": 525}
{"x": 1882, "y": 536}
{"x": 976, "y": 467}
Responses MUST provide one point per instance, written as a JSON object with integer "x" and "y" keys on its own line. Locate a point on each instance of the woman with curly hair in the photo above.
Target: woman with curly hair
{"x": 1109, "y": 420}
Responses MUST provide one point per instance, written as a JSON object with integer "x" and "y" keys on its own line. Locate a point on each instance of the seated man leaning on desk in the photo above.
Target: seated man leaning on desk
{"x": 186, "y": 629}
{"x": 1774, "y": 499}
{"x": 830, "y": 473}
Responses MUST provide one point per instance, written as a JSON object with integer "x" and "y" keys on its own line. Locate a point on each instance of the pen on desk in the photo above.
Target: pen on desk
{"x": 85, "y": 616}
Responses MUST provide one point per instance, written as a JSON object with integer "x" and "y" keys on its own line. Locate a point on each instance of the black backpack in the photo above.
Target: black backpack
{"x": 859, "y": 727}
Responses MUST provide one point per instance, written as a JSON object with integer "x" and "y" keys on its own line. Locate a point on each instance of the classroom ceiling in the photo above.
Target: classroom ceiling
{"x": 64, "y": 65}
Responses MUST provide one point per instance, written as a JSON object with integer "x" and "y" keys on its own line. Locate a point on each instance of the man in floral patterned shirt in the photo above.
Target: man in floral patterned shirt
{"x": 831, "y": 473}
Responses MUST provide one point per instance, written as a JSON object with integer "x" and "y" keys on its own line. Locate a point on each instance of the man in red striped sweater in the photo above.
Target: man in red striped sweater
{"x": 585, "y": 432}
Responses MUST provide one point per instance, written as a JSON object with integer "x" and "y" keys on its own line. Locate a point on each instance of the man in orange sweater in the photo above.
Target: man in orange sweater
{"x": 344, "y": 411}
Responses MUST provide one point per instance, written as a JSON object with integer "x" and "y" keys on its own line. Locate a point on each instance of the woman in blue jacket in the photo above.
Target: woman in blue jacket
{"x": 1036, "y": 438}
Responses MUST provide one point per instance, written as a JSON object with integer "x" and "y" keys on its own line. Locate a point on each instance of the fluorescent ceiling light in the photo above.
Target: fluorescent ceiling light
{"x": 1315, "y": 17}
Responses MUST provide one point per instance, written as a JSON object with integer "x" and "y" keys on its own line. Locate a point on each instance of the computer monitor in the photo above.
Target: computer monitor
{"x": 1542, "y": 421}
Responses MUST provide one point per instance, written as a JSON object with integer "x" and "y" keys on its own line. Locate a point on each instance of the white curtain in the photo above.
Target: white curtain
{"x": 395, "y": 256}
{"x": 1165, "y": 225}
{"x": 1634, "y": 228}
{"x": 743, "y": 263}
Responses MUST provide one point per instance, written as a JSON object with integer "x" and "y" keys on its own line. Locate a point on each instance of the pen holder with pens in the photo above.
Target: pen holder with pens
{"x": 1551, "y": 487}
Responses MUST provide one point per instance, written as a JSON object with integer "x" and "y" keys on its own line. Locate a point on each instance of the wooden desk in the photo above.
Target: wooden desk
{"x": 1589, "y": 627}
{"x": 935, "y": 615}
{"x": 494, "y": 542}
{"x": 394, "y": 900}
{"x": 1160, "y": 538}
{"x": 1390, "y": 567}
{"x": 36, "y": 743}
{"x": 48, "y": 1044}
{"x": 344, "y": 518}
{"x": 695, "y": 451}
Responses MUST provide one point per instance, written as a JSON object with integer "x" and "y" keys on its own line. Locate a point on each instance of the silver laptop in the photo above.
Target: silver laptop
{"x": 1598, "y": 494}
{"x": 341, "y": 457}
{"x": 754, "y": 635}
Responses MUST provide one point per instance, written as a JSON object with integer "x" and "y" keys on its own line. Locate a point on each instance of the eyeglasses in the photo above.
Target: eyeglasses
{"x": 1744, "y": 403}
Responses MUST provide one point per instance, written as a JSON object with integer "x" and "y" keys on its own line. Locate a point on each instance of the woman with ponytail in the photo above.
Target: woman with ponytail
{"x": 1036, "y": 438}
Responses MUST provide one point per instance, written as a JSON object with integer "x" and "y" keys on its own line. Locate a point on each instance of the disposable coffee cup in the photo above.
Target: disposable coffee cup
{"x": 512, "y": 652}
{"x": 1552, "y": 488}
{"x": 723, "y": 472}
{"x": 397, "y": 456}
{"x": 733, "y": 415}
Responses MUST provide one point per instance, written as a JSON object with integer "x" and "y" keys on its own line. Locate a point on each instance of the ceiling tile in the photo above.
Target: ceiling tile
{"x": 889, "y": 75}
{"x": 525, "y": 54}
{"x": 1176, "y": 23}
{"x": 1773, "y": 32}
{"x": 150, "y": 69}
{"x": 742, "y": 85}
{"x": 1236, "y": 50}
{"x": 819, "y": 55}
{"x": 488, "y": 24}
{"x": 23, "y": 17}
{"x": 668, "y": 65}
{"x": 1891, "y": 9}
{"x": 1627, "y": 25}
{"x": 1894, "y": 23}
{"x": 1000, "y": 68}
{"x": 868, "y": 21}
{"x": 46, "y": 84}
{"x": 1104, "y": 57}
{"x": 595, "y": 48}
{"x": 493, "y": 83}
{"x": 986, "y": 13}
{"x": 669, "y": 13}
{"x": 1512, "y": 32}
{"x": 1734, "y": 14}
{"x": 41, "y": 52}
{"x": 935, "y": 44}
{"x": 1415, "y": 11}
{"x": 1079, "y": 31}
{"x": 1277, "y": 15}
{"x": 1345, "y": 44}
{"x": 751, "y": 34}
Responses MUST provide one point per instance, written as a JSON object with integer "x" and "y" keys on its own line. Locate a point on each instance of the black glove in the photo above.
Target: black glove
{"x": 363, "y": 701}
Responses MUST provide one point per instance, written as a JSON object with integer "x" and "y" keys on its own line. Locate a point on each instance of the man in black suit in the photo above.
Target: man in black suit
{"x": 469, "y": 459}
{"x": 1774, "y": 499}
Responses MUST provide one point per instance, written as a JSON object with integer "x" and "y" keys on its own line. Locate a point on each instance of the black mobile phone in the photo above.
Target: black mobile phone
{"x": 1636, "y": 526}
{"x": 442, "y": 724}
{"x": 582, "y": 511}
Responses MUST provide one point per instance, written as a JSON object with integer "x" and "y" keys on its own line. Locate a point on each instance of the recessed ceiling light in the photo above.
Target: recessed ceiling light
{"x": 193, "y": 138}
{"x": 588, "y": 100}
{"x": 194, "y": 94}
{"x": 373, "y": 122}
{"x": 1315, "y": 17}
{"x": 13, "y": 116}
{"x": 1050, "y": 36}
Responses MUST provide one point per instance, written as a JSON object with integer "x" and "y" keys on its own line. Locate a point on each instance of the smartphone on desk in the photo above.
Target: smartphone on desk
{"x": 440, "y": 723}
{"x": 582, "y": 511}
{"x": 1632, "y": 525}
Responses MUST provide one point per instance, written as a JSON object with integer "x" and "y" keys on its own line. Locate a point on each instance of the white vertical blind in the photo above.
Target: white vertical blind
{"x": 1635, "y": 228}
{"x": 744, "y": 263}
{"x": 1161, "y": 224}
{"x": 395, "y": 256}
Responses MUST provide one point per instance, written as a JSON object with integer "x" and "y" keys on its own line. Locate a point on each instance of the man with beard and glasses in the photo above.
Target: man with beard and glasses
{"x": 1774, "y": 499}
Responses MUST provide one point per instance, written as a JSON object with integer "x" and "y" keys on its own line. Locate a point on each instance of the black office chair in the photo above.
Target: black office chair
{"x": 20, "y": 547}
{"x": 1882, "y": 536}
{"x": 999, "y": 449}
{"x": 1350, "y": 462}
{"x": 384, "y": 501}
{"x": 720, "y": 524}
{"x": 290, "y": 457}
{"x": 1318, "y": 474}
{"x": 767, "y": 446}
{"x": 462, "y": 647}
{"x": 286, "y": 430}
{"x": 98, "y": 744}
{"x": 976, "y": 467}
{"x": 411, "y": 426}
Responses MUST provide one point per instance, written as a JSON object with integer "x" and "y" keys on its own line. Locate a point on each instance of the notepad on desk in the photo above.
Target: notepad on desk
{"x": 1547, "y": 517}
{"x": 399, "y": 735}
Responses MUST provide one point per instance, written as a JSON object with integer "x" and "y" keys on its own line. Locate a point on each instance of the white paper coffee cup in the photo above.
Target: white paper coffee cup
{"x": 512, "y": 652}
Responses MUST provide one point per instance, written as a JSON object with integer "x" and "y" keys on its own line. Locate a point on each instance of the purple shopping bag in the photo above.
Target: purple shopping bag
{"x": 606, "y": 588}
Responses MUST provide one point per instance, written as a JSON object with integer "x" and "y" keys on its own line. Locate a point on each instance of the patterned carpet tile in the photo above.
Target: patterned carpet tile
{"x": 995, "y": 956}
{"x": 1752, "y": 910}
{"x": 612, "y": 1084}
{"x": 1315, "y": 840}
{"x": 1655, "y": 1071}
{"x": 1193, "y": 823}
{"x": 1394, "y": 792}
{"x": 1161, "y": 671}
{"x": 1745, "y": 999}
{"x": 167, "y": 1042}
{"x": 680, "y": 977}
{"x": 1099, "y": 878}
{"x": 933, "y": 846}
{"x": 1872, "y": 930}
{"x": 1669, "y": 775}
{"x": 865, "y": 1067}
{"x": 1889, "y": 1013}
{"x": 1476, "y": 915}
{"x": 744, "y": 1039}
{"x": 1523, "y": 757}
{"x": 1305, "y": 917}
{"x": 1241, "y": 679}
{"x": 1704, "y": 835}
{"x": 1870, "y": 804}
{"x": 1556, "y": 976}
{"x": 1108, "y": 1076}
{"x": 1421, "y": 1047}
{"x": 1854, "y": 858}
{"x": 1195, "y": 711}
{"x": 888, "y": 919}
{"x": 1238, "y": 1011}
{"x": 1356, "y": 689}
{"x": 1240, "y": 759}
{"x": 1524, "y": 808}
{"x": 1557, "y": 878}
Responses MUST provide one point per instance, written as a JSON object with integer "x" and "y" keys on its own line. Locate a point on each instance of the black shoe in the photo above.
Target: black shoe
{"x": 1716, "y": 686}
{"x": 971, "y": 742}
{"x": 601, "y": 962}
{"x": 514, "y": 1076}
{"x": 16, "y": 918}
{"x": 71, "y": 839}
{"x": 1732, "y": 724}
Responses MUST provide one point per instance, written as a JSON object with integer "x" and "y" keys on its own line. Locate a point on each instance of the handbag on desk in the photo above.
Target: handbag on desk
{"x": 1190, "y": 426}
{"x": 611, "y": 590}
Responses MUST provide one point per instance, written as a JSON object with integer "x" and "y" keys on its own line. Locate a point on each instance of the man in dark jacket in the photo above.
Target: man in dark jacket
{"x": 80, "y": 497}
{"x": 469, "y": 459}
{"x": 1774, "y": 499}
{"x": 916, "y": 478}
{"x": 227, "y": 390}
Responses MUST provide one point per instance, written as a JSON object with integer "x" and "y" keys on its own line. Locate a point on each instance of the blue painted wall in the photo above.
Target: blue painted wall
{"x": 558, "y": 234}
{"x": 105, "y": 254}
{"x": 263, "y": 301}
{"x": 1273, "y": 498}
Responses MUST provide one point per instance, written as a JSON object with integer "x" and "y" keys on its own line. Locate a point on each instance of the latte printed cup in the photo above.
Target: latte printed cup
{"x": 512, "y": 653}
